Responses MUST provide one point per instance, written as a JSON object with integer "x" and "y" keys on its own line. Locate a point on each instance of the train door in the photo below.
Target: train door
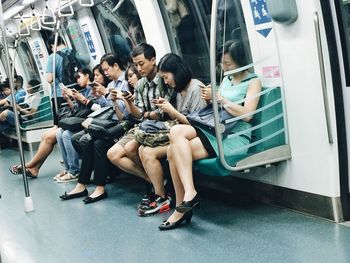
{"x": 338, "y": 31}
{"x": 188, "y": 24}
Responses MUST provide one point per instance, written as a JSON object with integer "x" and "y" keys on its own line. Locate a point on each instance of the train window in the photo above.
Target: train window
{"x": 27, "y": 60}
{"x": 122, "y": 29}
{"x": 230, "y": 26}
{"x": 344, "y": 25}
{"x": 188, "y": 25}
{"x": 77, "y": 40}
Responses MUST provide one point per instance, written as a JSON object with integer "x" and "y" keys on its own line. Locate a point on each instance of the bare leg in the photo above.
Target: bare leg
{"x": 45, "y": 148}
{"x": 184, "y": 148}
{"x": 150, "y": 159}
{"x": 48, "y": 141}
{"x": 132, "y": 153}
{"x": 118, "y": 156}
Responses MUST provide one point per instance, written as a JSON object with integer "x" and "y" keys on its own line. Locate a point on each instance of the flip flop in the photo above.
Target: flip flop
{"x": 30, "y": 175}
{"x": 15, "y": 169}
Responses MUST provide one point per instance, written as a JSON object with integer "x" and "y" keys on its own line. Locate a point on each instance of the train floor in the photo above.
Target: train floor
{"x": 111, "y": 231}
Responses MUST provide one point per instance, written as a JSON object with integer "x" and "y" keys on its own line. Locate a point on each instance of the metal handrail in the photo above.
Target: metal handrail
{"x": 323, "y": 77}
{"x": 87, "y": 4}
{"x": 71, "y": 11}
{"x": 218, "y": 131}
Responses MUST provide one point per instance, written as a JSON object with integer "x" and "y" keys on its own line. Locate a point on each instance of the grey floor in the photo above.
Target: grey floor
{"x": 111, "y": 231}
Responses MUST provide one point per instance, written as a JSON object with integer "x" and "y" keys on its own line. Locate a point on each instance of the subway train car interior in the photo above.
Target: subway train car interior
{"x": 234, "y": 116}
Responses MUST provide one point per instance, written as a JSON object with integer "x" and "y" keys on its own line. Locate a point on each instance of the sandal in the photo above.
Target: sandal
{"x": 15, "y": 169}
{"x": 30, "y": 175}
{"x": 58, "y": 176}
{"x": 68, "y": 177}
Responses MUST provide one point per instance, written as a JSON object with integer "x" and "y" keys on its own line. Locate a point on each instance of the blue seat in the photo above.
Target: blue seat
{"x": 264, "y": 127}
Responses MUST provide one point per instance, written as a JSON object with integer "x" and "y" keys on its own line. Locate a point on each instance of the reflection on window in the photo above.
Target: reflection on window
{"x": 187, "y": 24}
{"x": 27, "y": 60}
{"x": 230, "y": 26}
{"x": 345, "y": 36}
{"x": 77, "y": 39}
{"x": 120, "y": 27}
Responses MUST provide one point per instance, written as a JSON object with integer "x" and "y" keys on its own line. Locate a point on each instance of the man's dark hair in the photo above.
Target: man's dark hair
{"x": 145, "y": 49}
{"x": 35, "y": 84}
{"x": 112, "y": 59}
{"x": 19, "y": 79}
{"x": 51, "y": 41}
{"x": 181, "y": 71}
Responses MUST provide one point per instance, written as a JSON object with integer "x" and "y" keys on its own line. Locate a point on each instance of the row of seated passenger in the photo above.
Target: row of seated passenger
{"x": 163, "y": 92}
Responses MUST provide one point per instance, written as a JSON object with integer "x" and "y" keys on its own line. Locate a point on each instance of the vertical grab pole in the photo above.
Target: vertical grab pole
{"x": 28, "y": 202}
{"x": 54, "y": 69}
{"x": 218, "y": 125}
{"x": 323, "y": 77}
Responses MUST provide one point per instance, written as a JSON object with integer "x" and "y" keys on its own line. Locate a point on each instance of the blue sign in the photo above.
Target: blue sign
{"x": 89, "y": 41}
{"x": 261, "y": 16}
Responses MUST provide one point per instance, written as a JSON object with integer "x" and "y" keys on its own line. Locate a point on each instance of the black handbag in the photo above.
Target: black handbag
{"x": 107, "y": 129}
{"x": 204, "y": 118}
{"x": 72, "y": 124}
{"x": 102, "y": 113}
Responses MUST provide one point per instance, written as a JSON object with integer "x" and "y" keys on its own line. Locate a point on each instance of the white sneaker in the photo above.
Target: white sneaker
{"x": 68, "y": 177}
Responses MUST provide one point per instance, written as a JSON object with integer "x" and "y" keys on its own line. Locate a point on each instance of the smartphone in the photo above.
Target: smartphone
{"x": 202, "y": 86}
{"x": 93, "y": 84}
{"x": 125, "y": 93}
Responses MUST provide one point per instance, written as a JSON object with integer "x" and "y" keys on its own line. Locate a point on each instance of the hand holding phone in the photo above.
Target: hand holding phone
{"x": 125, "y": 93}
{"x": 158, "y": 101}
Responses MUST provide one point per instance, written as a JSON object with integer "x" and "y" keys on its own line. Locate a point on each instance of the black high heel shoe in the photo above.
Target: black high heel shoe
{"x": 186, "y": 206}
{"x": 167, "y": 225}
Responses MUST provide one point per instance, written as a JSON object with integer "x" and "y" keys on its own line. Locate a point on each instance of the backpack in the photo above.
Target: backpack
{"x": 70, "y": 65}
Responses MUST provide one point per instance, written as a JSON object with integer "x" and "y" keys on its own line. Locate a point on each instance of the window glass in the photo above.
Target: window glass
{"x": 230, "y": 26}
{"x": 188, "y": 26}
{"x": 77, "y": 40}
{"x": 344, "y": 25}
{"x": 120, "y": 27}
{"x": 27, "y": 60}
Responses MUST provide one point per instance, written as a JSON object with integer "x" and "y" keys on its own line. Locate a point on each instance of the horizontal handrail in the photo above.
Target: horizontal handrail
{"x": 265, "y": 123}
{"x": 257, "y": 62}
{"x": 37, "y": 127}
{"x": 254, "y": 112}
{"x": 41, "y": 117}
{"x": 259, "y": 141}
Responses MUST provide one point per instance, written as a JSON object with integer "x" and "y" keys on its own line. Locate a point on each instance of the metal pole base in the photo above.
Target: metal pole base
{"x": 28, "y": 204}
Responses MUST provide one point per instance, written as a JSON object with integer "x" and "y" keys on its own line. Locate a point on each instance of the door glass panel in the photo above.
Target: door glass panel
{"x": 188, "y": 24}
{"x": 120, "y": 27}
{"x": 27, "y": 60}
{"x": 344, "y": 29}
{"x": 77, "y": 40}
{"x": 230, "y": 26}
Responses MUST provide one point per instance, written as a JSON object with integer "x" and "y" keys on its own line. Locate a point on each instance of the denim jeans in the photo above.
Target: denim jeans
{"x": 69, "y": 155}
{"x": 9, "y": 122}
